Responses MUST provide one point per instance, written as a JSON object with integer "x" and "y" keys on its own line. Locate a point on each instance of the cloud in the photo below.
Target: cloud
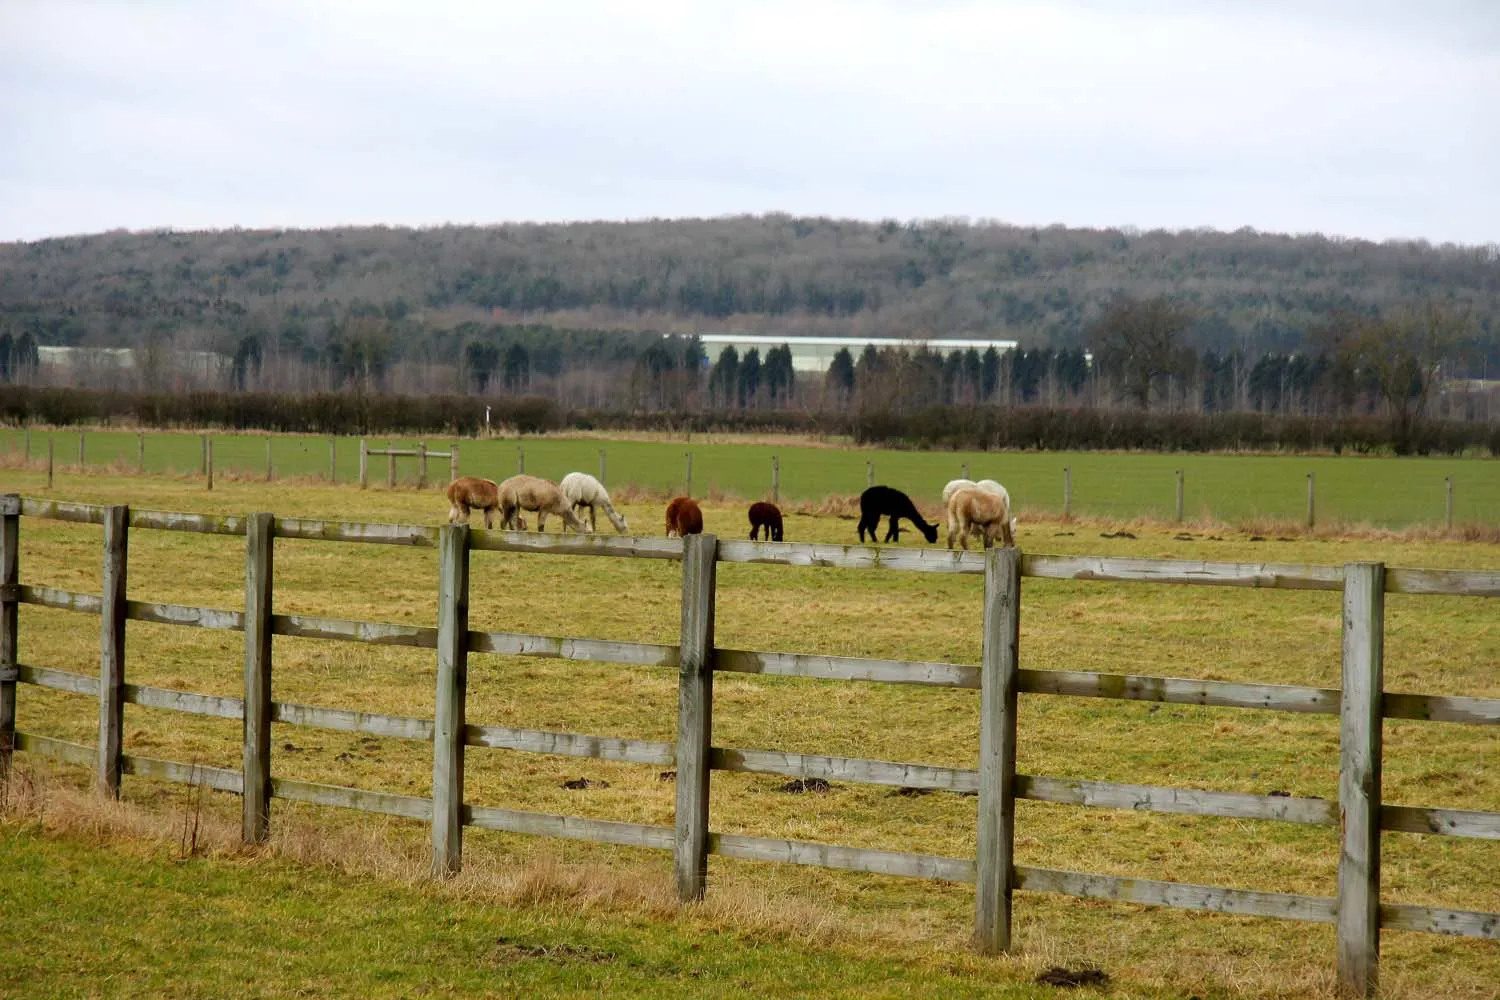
{"x": 1368, "y": 119}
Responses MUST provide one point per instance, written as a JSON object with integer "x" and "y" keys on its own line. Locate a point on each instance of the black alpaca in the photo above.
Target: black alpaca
{"x": 883, "y": 501}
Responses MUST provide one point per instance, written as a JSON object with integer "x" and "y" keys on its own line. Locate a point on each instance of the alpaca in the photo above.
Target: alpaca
{"x": 684, "y": 517}
{"x": 531, "y": 493}
{"x": 984, "y": 484}
{"x": 583, "y": 490}
{"x": 954, "y": 485}
{"x": 766, "y": 515}
{"x": 883, "y": 501}
{"x": 470, "y": 493}
{"x": 974, "y": 507}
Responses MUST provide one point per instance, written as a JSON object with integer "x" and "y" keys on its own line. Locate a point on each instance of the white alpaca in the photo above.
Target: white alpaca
{"x": 988, "y": 511}
{"x": 988, "y": 485}
{"x": 583, "y": 490}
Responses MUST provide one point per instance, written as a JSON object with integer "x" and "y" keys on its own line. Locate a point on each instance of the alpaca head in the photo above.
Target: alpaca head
{"x": 618, "y": 520}
{"x": 929, "y": 532}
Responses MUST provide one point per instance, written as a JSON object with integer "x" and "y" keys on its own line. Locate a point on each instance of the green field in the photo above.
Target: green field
{"x": 1434, "y": 645}
{"x": 1381, "y": 491}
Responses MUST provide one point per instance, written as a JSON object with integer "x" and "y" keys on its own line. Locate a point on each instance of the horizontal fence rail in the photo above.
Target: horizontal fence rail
{"x": 697, "y": 659}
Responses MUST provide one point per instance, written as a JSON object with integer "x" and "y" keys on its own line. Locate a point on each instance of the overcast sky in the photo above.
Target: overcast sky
{"x": 1376, "y": 119}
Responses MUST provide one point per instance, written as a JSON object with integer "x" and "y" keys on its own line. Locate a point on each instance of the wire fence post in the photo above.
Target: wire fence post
{"x": 1179, "y": 496}
{"x": 453, "y": 462}
{"x": 140, "y": 453}
{"x": 520, "y": 459}
{"x": 50, "y": 460}
{"x": 364, "y": 464}
{"x": 1448, "y": 505}
{"x": 1067, "y": 493}
{"x": 333, "y": 459}
{"x": 269, "y": 468}
{"x": 688, "y": 489}
{"x": 775, "y": 479}
{"x": 1311, "y": 501}
{"x": 80, "y": 452}
{"x": 208, "y": 460}
{"x": 390, "y": 465}
{"x": 421, "y": 465}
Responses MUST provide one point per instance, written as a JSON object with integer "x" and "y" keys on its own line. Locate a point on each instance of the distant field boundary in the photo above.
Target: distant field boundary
{"x": 1361, "y": 705}
{"x": 1307, "y": 490}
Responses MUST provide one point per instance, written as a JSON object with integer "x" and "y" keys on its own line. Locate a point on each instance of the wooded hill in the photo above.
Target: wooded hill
{"x": 427, "y": 291}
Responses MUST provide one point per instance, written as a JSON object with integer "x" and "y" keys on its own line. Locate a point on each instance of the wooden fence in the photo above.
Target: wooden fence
{"x": 1361, "y": 705}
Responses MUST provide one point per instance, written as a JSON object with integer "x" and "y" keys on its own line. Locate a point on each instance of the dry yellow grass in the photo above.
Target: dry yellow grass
{"x": 1434, "y": 645}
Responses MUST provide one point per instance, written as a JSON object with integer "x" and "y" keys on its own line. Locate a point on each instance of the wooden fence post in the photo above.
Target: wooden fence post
{"x": 1311, "y": 501}
{"x": 688, "y": 489}
{"x": 50, "y": 449}
{"x": 208, "y": 459}
{"x": 601, "y": 466}
{"x": 1358, "y": 903}
{"x": 775, "y": 479}
{"x": 269, "y": 467}
{"x": 333, "y": 459}
{"x": 1067, "y": 493}
{"x": 1179, "y": 496}
{"x": 421, "y": 465}
{"x": 80, "y": 451}
{"x": 364, "y": 464}
{"x": 695, "y": 695}
{"x": 390, "y": 465}
{"x": 1448, "y": 489}
{"x": 10, "y": 538}
{"x": 112, "y": 649}
{"x": 453, "y": 462}
{"x": 256, "y": 820}
{"x": 140, "y": 453}
{"x": 452, "y": 683}
{"x": 999, "y": 681}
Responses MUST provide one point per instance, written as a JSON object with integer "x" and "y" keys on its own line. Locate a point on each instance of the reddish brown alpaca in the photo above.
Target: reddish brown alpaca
{"x": 684, "y": 517}
{"x": 768, "y": 516}
{"x": 468, "y": 493}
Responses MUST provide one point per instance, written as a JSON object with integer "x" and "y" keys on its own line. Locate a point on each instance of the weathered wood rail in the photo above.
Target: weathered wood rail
{"x": 1361, "y": 703}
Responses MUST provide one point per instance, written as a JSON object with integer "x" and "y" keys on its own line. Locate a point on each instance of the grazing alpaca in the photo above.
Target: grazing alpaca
{"x": 583, "y": 490}
{"x": 768, "y": 516}
{"x": 978, "y": 508}
{"x": 520, "y": 493}
{"x": 988, "y": 485}
{"x": 684, "y": 517}
{"x": 470, "y": 493}
{"x": 883, "y": 501}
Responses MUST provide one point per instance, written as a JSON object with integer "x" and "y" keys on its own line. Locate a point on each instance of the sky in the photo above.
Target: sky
{"x": 1374, "y": 119}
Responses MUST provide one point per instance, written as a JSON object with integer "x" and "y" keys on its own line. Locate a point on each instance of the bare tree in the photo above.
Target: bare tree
{"x": 1137, "y": 340}
{"x": 1399, "y": 354}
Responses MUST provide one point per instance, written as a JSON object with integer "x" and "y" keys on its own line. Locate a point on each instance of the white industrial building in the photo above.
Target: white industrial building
{"x": 815, "y": 354}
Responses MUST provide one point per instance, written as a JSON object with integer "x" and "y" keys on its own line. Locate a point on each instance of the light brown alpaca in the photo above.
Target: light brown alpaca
{"x": 470, "y": 493}
{"x": 520, "y": 493}
{"x": 977, "y": 508}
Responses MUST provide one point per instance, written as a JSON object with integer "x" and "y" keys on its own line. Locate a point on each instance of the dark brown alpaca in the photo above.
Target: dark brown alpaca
{"x": 684, "y": 517}
{"x": 468, "y": 493}
{"x": 768, "y": 516}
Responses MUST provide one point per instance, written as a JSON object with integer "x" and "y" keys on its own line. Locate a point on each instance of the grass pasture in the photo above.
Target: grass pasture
{"x": 1381, "y": 491}
{"x": 1434, "y": 645}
